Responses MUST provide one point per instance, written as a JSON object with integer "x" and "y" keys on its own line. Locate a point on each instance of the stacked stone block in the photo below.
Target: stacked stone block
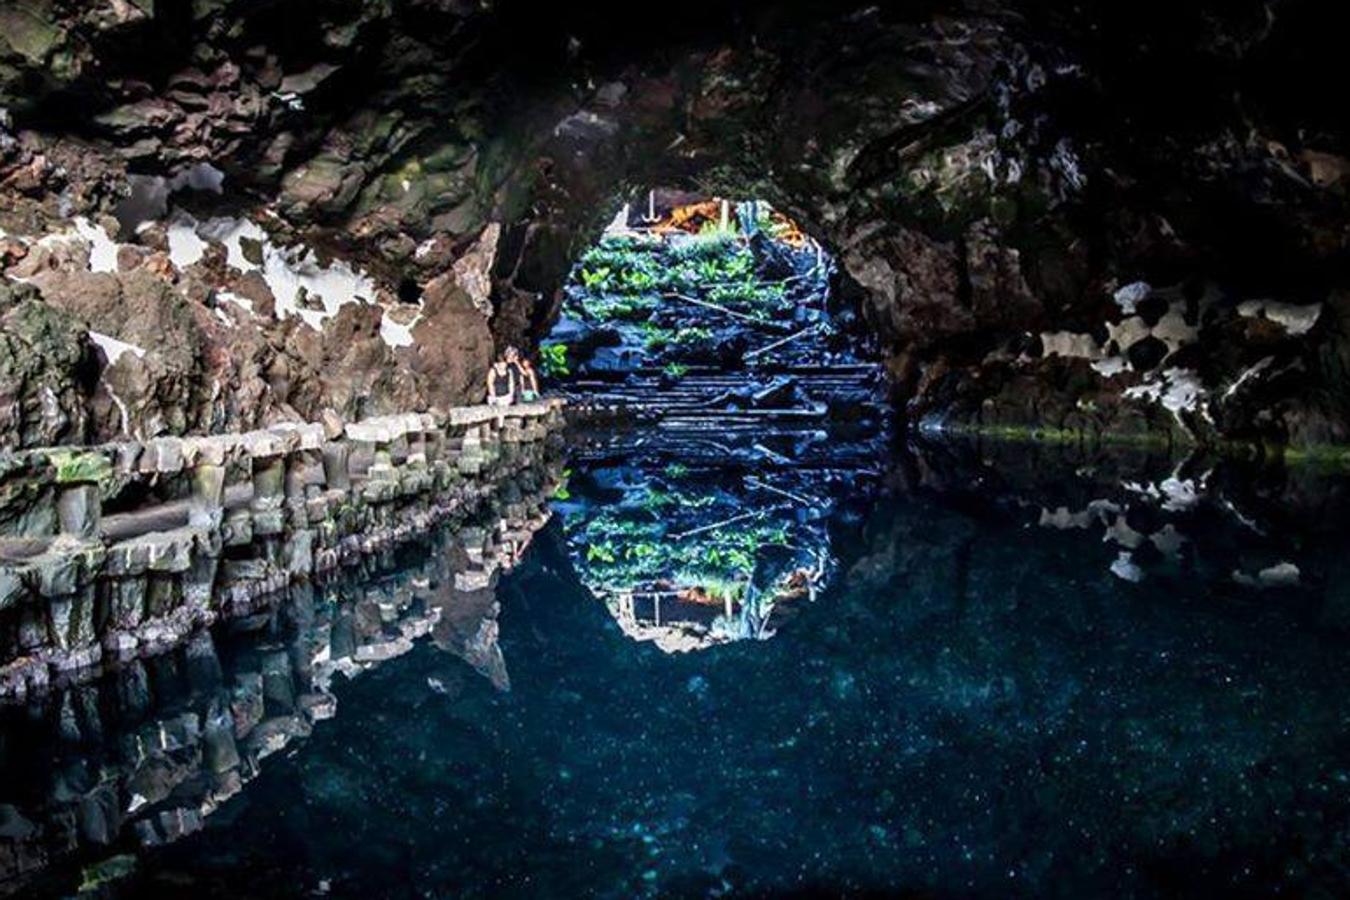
{"x": 233, "y": 519}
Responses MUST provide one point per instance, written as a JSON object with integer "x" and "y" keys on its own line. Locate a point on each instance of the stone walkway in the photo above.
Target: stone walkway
{"x": 124, "y": 549}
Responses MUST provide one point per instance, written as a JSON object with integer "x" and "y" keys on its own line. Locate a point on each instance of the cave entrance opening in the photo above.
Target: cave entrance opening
{"x": 697, "y": 310}
{"x": 727, "y": 416}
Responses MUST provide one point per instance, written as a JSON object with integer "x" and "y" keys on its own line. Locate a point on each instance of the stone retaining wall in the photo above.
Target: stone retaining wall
{"x": 122, "y": 550}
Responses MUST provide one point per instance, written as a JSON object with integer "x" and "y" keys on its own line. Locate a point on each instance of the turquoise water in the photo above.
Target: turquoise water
{"x": 983, "y": 700}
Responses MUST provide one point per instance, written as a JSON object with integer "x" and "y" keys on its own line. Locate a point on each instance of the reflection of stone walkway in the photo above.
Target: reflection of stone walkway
{"x": 175, "y": 738}
{"x": 121, "y": 550}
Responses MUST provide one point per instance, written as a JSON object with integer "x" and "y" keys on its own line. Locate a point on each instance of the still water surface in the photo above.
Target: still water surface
{"x": 1026, "y": 674}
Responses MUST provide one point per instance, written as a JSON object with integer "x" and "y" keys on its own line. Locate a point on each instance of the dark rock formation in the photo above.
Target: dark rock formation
{"x": 1002, "y": 182}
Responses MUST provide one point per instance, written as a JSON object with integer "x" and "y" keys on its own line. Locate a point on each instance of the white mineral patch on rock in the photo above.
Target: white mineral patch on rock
{"x": 83, "y": 233}
{"x": 424, "y": 248}
{"x": 113, "y": 348}
{"x": 286, "y": 272}
{"x": 1250, "y": 373}
{"x": 185, "y": 247}
{"x": 1175, "y": 389}
{"x": 1065, "y": 161}
{"x": 1284, "y": 574}
{"x": 1062, "y": 519}
{"x": 1129, "y": 297}
{"x": 1180, "y": 494}
{"x": 1168, "y": 541}
{"x": 1111, "y": 365}
{"x": 1130, "y": 331}
{"x": 1293, "y": 318}
{"x": 1070, "y": 345}
{"x": 230, "y": 232}
{"x": 285, "y": 269}
{"x": 230, "y": 297}
{"x": 1121, "y": 533}
{"x": 1173, "y": 329}
{"x": 473, "y": 270}
{"x": 1176, "y": 494}
{"x": 395, "y": 333}
{"x": 102, "y": 249}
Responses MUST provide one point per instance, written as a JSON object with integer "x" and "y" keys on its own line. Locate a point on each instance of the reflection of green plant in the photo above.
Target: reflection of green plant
{"x": 676, "y": 470}
{"x": 641, "y": 550}
{"x": 628, "y": 308}
{"x": 561, "y": 492}
{"x": 601, "y": 552}
{"x": 722, "y": 589}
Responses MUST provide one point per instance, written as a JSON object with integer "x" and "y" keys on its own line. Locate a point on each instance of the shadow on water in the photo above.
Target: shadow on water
{"x": 981, "y": 699}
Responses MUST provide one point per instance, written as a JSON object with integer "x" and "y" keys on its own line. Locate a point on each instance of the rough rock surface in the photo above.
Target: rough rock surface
{"x": 1050, "y": 215}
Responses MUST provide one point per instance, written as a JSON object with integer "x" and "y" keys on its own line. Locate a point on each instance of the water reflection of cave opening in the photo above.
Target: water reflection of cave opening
{"x": 731, "y": 408}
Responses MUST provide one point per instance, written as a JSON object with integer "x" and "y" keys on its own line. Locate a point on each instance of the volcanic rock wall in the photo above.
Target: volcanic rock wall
{"x": 1055, "y": 216}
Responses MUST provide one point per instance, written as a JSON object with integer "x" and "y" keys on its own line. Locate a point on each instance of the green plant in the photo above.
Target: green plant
{"x": 721, "y": 589}
{"x": 597, "y": 279}
{"x": 695, "y": 335}
{"x": 738, "y": 265}
{"x": 553, "y": 360}
{"x": 639, "y": 281}
{"x": 709, "y": 270}
{"x": 654, "y": 337}
{"x": 676, "y": 370}
{"x": 716, "y": 229}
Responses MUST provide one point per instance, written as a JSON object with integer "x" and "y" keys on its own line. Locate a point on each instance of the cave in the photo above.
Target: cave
{"x": 495, "y": 447}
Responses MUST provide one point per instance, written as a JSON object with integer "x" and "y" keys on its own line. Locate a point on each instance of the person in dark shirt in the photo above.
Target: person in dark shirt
{"x": 527, "y": 382}
{"x": 501, "y": 384}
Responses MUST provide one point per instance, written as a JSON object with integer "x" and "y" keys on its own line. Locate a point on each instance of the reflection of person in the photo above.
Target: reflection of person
{"x": 501, "y": 386}
{"x": 523, "y": 372}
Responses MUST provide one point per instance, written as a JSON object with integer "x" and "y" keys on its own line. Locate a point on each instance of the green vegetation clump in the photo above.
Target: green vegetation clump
{"x": 677, "y": 301}
{"x": 553, "y": 360}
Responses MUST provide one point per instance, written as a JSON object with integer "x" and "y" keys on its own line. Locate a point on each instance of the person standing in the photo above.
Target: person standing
{"x": 501, "y": 384}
